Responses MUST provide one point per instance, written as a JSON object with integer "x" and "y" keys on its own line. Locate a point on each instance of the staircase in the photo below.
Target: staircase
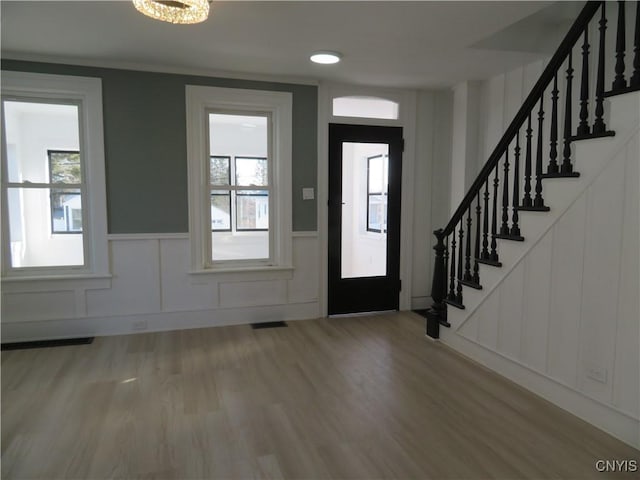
{"x": 508, "y": 257}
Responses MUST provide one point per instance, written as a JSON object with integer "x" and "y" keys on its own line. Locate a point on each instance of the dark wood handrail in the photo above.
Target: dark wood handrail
{"x": 545, "y": 79}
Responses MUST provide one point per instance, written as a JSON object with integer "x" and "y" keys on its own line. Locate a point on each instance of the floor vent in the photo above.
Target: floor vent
{"x": 62, "y": 342}
{"x": 257, "y": 326}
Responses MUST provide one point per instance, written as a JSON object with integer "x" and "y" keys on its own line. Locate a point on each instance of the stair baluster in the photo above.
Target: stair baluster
{"x": 452, "y": 276}
{"x": 476, "y": 268}
{"x": 515, "y": 228}
{"x": 598, "y": 125}
{"x": 460, "y": 244}
{"x": 583, "y": 126}
{"x": 504, "y": 228}
{"x": 635, "y": 78}
{"x": 567, "y": 168}
{"x": 538, "y": 201}
{"x": 526, "y": 200}
{"x": 619, "y": 82}
{"x": 553, "y": 168}
{"x": 493, "y": 256}
{"x": 467, "y": 254}
{"x": 485, "y": 232}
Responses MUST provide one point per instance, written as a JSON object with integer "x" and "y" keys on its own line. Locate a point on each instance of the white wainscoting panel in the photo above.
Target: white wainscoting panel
{"x": 152, "y": 289}
{"x": 488, "y": 315}
{"x": 510, "y": 313}
{"x": 535, "y": 314}
{"x": 303, "y": 287}
{"x": 180, "y": 290}
{"x": 135, "y": 286}
{"x": 38, "y": 305}
{"x": 566, "y": 293}
{"x": 253, "y": 294}
{"x": 602, "y": 257}
{"x": 626, "y": 380}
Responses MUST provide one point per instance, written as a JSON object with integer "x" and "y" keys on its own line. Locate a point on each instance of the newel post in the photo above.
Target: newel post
{"x": 437, "y": 314}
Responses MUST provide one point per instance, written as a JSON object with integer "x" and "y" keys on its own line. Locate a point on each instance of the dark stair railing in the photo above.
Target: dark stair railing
{"x": 456, "y": 265}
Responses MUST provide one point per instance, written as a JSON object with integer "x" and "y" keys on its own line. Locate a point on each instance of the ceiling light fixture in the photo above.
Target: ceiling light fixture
{"x": 326, "y": 58}
{"x": 174, "y": 11}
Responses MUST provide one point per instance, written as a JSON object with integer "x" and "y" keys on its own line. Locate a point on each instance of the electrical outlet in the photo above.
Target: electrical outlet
{"x": 599, "y": 374}
{"x": 140, "y": 325}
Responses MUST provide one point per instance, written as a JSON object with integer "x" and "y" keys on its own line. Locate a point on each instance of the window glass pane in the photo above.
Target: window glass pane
{"x": 365, "y": 107}
{"x": 32, "y": 129}
{"x": 377, "y": 184}
{"x": 377, "y": 213}
{"x": 33, "y": 212}
{"x": 252, "y": 210}
{"x": 251, "y": 172}
{"x": 220, "y": 210}
{"x": 238, "y": 135}
{"x": 66, "y": 211}
{"x": 64, "y": 167}
{"x": 249, "y": 245}
{"x": 219, "y": 171}
{"x": 377, "y": 171}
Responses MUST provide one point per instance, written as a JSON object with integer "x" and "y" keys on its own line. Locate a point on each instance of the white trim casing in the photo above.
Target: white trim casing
{"x": 88, "y": 92}
{"x": 279, "y": 106}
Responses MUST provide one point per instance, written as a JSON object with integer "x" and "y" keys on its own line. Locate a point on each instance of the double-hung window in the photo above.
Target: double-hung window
{"x": 239, "y": 193}
{"x": 239, "y": 151}
{"x": 53, "y": 191}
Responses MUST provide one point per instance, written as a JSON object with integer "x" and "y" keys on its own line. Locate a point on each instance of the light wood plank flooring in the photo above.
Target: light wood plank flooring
{"x": 364, "y": 397}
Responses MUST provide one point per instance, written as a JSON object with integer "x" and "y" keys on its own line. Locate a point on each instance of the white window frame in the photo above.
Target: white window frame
{"x": 85, "y": 92}
{"x": 201, "y": 100}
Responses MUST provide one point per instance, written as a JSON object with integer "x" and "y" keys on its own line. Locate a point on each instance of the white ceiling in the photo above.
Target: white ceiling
{"x": 386, "y": 43}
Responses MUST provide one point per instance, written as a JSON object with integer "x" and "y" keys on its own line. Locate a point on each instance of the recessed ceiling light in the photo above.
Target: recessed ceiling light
{"x": 326, "y": 57}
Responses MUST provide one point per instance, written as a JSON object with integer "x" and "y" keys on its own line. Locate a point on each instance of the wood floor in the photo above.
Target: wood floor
{"x": 365, "y": 397}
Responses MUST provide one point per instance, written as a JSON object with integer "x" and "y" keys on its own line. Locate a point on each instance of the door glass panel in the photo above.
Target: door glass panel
{"x": 365, "y": 169}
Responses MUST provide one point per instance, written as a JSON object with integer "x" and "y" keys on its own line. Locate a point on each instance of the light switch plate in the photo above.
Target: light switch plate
{"x": 308, "y": 193}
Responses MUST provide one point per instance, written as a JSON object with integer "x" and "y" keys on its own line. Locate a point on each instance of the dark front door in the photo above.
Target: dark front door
{"x": 365, "y": 171}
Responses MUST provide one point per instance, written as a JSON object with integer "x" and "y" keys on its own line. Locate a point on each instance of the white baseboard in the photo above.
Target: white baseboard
{"x": 153, "y": 322}
{"x": 614, "y": 422}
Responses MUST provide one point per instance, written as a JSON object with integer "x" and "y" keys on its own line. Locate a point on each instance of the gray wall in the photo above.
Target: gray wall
{"x": 146, "y": 146}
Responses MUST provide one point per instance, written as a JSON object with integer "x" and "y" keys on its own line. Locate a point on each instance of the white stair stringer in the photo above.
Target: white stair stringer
{"x": 580, "y": 359}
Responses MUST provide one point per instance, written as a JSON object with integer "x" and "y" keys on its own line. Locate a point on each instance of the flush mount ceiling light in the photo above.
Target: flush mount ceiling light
{"x": 174, "y": 11}
{"x": 326, "y": 57}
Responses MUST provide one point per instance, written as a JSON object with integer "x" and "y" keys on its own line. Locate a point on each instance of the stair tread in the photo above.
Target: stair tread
{"x": 561, "y": 175}
{"x": 515, "y": 238}
{"x": 533, "y": 209}
{"x": 453, "y": 303}
{"x": 487, "y": 261}
{"x": 620, "y": 91}
{"x": 471, "y": 284}
{"x": 589, "y": 136}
